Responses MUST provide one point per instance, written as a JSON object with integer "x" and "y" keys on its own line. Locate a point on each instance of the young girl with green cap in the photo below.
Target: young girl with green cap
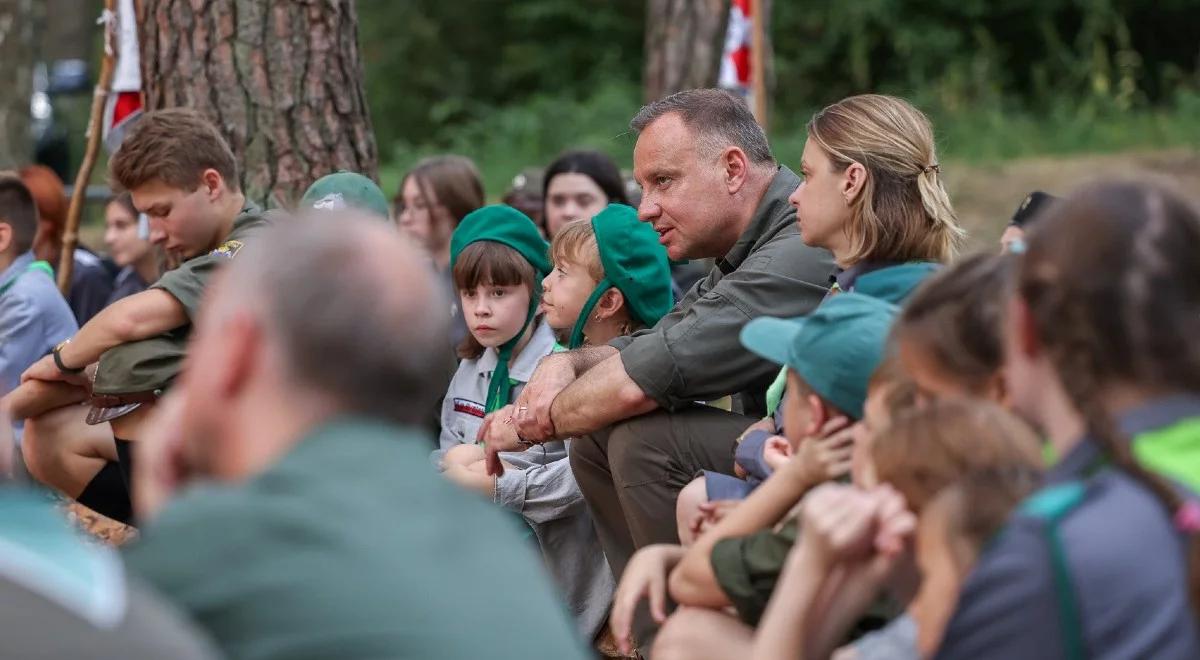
{"x": 611, "y": 277}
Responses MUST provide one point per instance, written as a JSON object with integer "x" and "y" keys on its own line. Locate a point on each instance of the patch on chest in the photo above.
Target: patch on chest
{"x": 469, "y": 407}
{"x": 228, "y": 249}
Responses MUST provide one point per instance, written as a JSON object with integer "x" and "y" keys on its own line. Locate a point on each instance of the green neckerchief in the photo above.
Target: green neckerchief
{"x": 501, "y": 386}
{"x": 576, "y": 339}
{"x": 33, "y": 266}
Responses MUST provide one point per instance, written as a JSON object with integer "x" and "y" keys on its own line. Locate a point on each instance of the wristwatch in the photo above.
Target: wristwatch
{"x": 58, "y": 359}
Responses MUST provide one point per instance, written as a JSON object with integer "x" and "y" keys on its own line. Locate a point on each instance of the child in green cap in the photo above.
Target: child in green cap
{"x": 611, "y": 277}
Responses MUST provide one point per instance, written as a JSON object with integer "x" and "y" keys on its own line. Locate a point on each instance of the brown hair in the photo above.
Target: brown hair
{"x": 124, "y": 200}
{"x": 977, "y": 506}
{"x": 49, "y": 194}
{"x": 174, "y": 146}
{"x": 925, "y": 449}
{"x": 495, "y": 264}
{"x": 903, "y": 212}
{"x": 1112, "y": 282}
{"x": 901, "y": 391}
{"x": 719, "y": 119}
{"x": 18, "y": 211}
{"x": 453, "y": 181}
{"x": 955, "y": 317}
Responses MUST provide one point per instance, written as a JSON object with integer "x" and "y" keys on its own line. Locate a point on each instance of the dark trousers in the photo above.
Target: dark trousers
{"x": 631, "y": 474}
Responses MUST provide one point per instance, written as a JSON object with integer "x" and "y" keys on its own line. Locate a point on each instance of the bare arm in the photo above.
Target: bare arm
{"x": 603, "y": 395}
{"x": 782, "y": 631}
{"x": 140, "y": 316}
{"x": 693, "y": 581}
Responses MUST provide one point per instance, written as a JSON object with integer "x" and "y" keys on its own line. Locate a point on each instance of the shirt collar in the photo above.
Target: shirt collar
{"x": 772, "y": 210}
{"x": 17, "y": 268}
{"x": 1154, "y": 414}
{"x": 845, "y": 278}
{"x": 521, "y": 370}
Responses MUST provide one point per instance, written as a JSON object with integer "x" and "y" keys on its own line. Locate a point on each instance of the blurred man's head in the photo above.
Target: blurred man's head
{"x": 182, "y": 174}
{"x": 702, "y": 162}
{"x": 18, "y": 219}
{"x": 320, "y": 316}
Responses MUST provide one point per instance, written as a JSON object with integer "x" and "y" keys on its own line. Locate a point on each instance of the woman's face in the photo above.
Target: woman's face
{"x": 822, "y": 210}
{"x": 422, "y": 218}
{"x": 572, "y": 196}
{"x": 121, "y": 235}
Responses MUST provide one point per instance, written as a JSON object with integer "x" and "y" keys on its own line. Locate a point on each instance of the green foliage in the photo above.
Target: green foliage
{"x": 511, "y": 84}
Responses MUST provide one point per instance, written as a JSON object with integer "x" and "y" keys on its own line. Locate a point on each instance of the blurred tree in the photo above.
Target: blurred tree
{"x": 281, "y": 79}
{"x": 16, "y": 67}
{"x": 683, "y": 45}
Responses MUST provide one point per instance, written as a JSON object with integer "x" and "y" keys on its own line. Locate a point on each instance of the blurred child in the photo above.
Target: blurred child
{"x": 1101, "y": 355}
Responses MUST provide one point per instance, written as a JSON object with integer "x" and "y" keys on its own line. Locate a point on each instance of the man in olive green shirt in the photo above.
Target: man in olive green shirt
{"x": 181, "y": 173}
{"x": 312, "y": 525}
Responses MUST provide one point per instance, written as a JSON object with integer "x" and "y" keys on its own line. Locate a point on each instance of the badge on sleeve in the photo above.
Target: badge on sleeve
{"x": 228, "y": 249}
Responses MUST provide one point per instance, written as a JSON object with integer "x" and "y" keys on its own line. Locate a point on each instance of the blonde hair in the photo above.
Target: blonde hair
{"x": 903, "y": 212}
{"x": 576, "y": 243}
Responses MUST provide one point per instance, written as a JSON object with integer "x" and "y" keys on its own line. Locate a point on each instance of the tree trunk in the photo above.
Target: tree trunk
{"x": 16, "y": 69}
{"x": 683, "y": 45}
{"x": 282, "y": 79}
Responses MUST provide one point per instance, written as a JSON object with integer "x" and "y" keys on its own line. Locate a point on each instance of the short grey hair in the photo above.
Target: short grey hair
{"x": 355, "y": 310}
{"x": 719, "y": 118}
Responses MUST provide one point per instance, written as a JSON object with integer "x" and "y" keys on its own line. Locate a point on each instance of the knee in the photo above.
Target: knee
{"x": 463, "y": 455}
{"x": 677, "y": 637}
{"x": 42, "y": 457}
{"x": 687, "y": 507}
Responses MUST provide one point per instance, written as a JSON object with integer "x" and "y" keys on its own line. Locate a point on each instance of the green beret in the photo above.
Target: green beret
{"x": 505, "y": 225}
{"x": 345, "y": 190}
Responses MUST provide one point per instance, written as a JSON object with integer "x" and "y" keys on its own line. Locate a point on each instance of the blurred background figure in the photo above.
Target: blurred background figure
{"x": 577, "y": 186}
{"x": 127, "y": 237}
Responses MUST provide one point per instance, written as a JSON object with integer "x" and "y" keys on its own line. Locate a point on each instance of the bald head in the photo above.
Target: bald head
{"x": 351, "y": 309}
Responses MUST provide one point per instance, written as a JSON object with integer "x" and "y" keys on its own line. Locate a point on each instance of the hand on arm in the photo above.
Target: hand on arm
{"x": 140, "y": 316}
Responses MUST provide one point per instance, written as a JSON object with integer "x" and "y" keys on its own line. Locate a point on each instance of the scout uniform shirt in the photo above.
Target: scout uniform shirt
{"x": 1122, "y": 564}
{"x": 188, "y": 282}
{"x": 351, "y": 547}
{"x": 543, "y": 488}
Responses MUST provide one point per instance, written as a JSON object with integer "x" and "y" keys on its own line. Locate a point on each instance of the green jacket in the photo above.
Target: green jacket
{"x": 351, "y": 546}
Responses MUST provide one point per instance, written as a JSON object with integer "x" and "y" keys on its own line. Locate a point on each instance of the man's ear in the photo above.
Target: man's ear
{"x": 736, "y": 168}
{"x": 213, "y": 182}
{"x": 244, "y": 346}
{"x": 6, "y": 236}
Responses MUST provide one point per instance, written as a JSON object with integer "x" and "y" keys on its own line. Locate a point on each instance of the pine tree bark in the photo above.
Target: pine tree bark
{"x": 282, "y": 79}
{"x": 16, "y": 69}
{"x": 683, "y": 45}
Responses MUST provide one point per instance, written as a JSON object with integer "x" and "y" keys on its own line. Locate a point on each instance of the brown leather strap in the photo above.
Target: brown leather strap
{"x": 114, "y": 400}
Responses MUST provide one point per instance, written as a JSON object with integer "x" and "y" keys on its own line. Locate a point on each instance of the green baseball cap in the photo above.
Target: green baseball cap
{"x": 346, "y": 190}
{"x": 835, "y": 349}
{"x": 634, "y": 262}
{"x": 143, "y": 369}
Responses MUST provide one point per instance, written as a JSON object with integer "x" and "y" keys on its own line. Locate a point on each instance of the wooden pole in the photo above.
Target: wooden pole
{"x": 70, "y": 236}
{"x": 758, "y": 73}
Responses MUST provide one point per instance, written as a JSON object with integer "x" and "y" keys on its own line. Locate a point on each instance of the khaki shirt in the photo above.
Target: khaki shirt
{"x": 693, "y": 353}
{"x": 188, "y": 282}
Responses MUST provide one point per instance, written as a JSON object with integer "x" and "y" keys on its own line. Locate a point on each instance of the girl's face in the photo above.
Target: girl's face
{"x": 942, "y": 575}
{"x": 821, "y": 207}
{"x": 875, "y": 420}
{"x": 121, "y": 236}
{"x": 564, "y": 292}
{"x": 933, "y": 382}
{"x": 572, "y": 196}
{"x": 422, "y": 218}
{"x": 495, "y": 314}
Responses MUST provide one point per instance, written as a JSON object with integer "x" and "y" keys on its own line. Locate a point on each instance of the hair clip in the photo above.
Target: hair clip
{"x": 932, "y": 168}
{"x": 1187, "y": 517}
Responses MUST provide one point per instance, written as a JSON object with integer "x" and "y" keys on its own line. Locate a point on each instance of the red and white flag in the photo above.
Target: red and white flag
{"x": 735, "y": 60}
{"x": 124, "y": 105}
